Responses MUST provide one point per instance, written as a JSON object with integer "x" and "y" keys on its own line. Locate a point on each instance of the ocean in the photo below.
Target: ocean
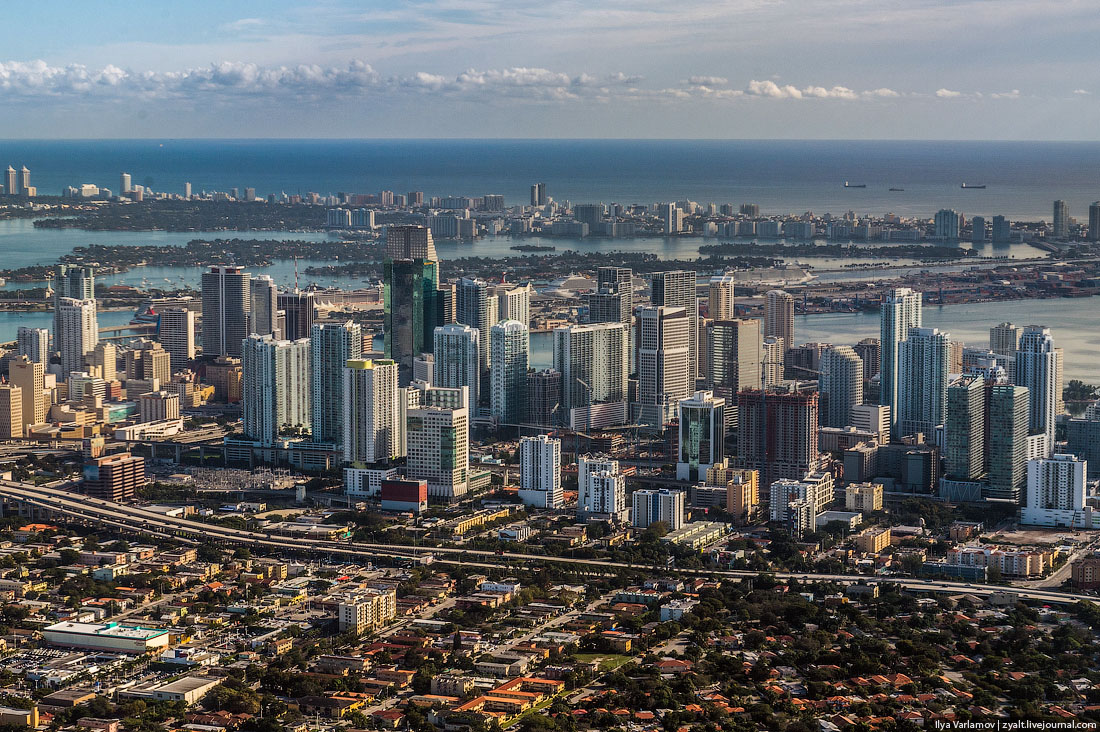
{"x": 1022, "y": 179}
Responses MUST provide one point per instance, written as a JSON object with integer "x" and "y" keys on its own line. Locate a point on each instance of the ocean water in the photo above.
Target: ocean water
{"x": 1022, "y": 178}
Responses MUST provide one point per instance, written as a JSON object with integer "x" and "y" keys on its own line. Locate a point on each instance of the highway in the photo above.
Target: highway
{"x": 141, "y": 521}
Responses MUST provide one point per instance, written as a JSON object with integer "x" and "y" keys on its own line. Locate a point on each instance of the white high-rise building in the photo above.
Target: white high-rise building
{"x": 124, "y": 184}
{"x": 720, "y": 303}
{"x": 1056, "y": 493}
{"x": 771, "y": 364}
{"x": 226, "y": 303}
{"x": 651, "y": 506}
{"x": 946, "y": 224}
{"x": 508, "y": 354}
{"x": 601, "y": 489}
{"x": 540, "y": 472}
{"x": 332, "y": 345}
{"x": 1037, "y": 368}
{"x": 664, "y": 370}
{"x": 78, "y": 332}
{"x": 677, "y": 289}
{"x": 34, "y": 343}
{"x": 672, "y": 218}
{"x": 457, "y": 354}
{"x": 922, "y": 381}
{"x": 901, "y": 310}
{"x": 437, "y": 438}
{"x": 373, "y": 427}
{"x": 593, "y": 362}
{"x": 702, "y": 435}
{"x": 476, "y": 308}
{"x": 779, "y": 317}
{"x": 515, "y": 303}
{"x": 275, "y": 387}
{"x": 177, "y": 334}
{"x": 159, "y": 405}
{"x": 841, "y": 385}
{"x": 1004, "y": 339}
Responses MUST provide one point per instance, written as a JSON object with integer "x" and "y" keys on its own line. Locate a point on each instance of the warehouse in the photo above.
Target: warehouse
{"x": 106, "y": 637}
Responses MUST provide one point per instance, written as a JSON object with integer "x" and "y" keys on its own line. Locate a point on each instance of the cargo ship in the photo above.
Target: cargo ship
{"x": 854, "y": 185}
{"x": 977, "y": 188}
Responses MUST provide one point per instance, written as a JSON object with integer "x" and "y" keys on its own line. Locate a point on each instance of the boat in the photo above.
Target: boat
{"x": 897, "y": 189}
{"x": 854, "y": 185}
{"x": 964, "y": 185}
{"x": 145, "y": 315}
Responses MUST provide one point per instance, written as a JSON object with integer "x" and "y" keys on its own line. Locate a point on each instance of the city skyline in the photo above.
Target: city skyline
{"x": 203, "y": 70}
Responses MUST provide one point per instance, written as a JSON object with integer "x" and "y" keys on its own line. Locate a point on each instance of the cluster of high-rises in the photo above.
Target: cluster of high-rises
{"x": 18, "y": 183}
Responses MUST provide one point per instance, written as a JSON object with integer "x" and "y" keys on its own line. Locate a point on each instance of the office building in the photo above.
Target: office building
{"x": 735, "y": 361}
{"x": 900, "y": 311}
{"x": 779, "y": 317}
{"x": 226, "y": 303}
{"x": 593, "y": 361}
{"x": 1037, "y": 368}
{"x": 870, "y": 352}
{"x": 720, "y": 301}
{"x": 331, "y": 345}
{"x": 149, "y": 362}
{"x": 413, "y": 304}
{"x": 540, "y": 472}
{"x": 544, "y": 398}
{"x": 1006, "y": 442}
{"x": 922, "y": 381}
{"x": 77, "y": 333}
{"x": 778, "y": 433}
{"x": 457, "y": 359}
{"x": 964, "y": 429}
{"x": 275, "y": 387}
{"x": 946, "y": 224}
{"x": 410, "y": 242}
{"x": 299, "y": 309}
{"x": 176, "y": 330}
{"x": 659, "y": 505}
{"x": 1004, "y": 339}
{"x": 103, "y": 360}
{"x": 514, "y": 303}
{"x": 77, "y": 283}
{"x": 702, "y": 435}
{"x": 841, "y": 385}
{"x": 373, "y": 428}
{"x": 156, "y": 406}
{"x": 114, "y": 477}
{"x": 676, "y": 289}
{"x": 11, "y": 411}
{"x": 509, "y": 348}
{"x": 34, "y": 343}
{"x": 1056, "y": 493}
{"x": 664, "y": 376}
{"x": 30, "y": 377}
{"x": 437, "y": 434}
{"x": 263, "y": 316}
{"x": 1061, "y": 220}
{"x": 617, "y": 283}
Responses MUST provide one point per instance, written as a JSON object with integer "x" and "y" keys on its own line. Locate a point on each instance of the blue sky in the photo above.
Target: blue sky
{"x": 939, "y": 69}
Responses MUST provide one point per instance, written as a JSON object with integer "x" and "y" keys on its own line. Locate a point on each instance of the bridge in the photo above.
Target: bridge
{"x": 144, "y": 522}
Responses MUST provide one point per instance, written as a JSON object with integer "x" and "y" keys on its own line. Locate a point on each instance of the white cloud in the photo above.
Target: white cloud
{"x": 1014, "y": 94}
{"x": 947, "y": 94}
{"x": 708, "y": 80}
{"x": 1081, "y": 91}
{"x": 882, "y": 92}
{"x": 773, "y": 90}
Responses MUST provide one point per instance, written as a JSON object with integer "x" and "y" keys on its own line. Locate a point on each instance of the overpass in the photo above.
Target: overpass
{"x": 144, "y": 522}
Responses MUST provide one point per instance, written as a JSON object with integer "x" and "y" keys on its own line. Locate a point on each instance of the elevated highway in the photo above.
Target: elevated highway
{"x": 144, "y": 522}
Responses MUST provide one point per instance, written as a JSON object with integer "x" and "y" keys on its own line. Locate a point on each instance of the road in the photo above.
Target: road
{"x": 136, "y": 520}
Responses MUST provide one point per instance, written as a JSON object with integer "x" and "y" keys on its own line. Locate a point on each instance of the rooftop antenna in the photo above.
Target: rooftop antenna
{"x": 295, "y": 274}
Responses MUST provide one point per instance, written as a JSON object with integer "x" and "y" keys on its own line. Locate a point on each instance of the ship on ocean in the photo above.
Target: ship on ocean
{"x": 854, "y": 185}
{"x": 964, "y": 185}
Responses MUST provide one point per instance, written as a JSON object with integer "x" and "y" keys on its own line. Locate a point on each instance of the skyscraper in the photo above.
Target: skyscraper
{"x": 977, "y": 230}
{"x": 964, "y": 429}
{"x": 946, "y": 224}
{"x": 331, "y": 345}
{"x": 672, "y": 218}
{"x": 75, "y": 282}
{"x": 1094, "y": 221}
{"x": 1004, "y": 339}
{"x": 1061, "y": 220}
{"x": 664, "y": 376}
{"x": 901, "y": 310}
{"x": 263, "y": 316}
{"x": 540, "y": 472}
{"x": 373, "y": 428}
{"x": 539, "y": 196}
{"x": 11, "y": 411}
{"x": 702, "y": 435}
{"x": 176, "y": 330}
{"x": 30, "y": 377}
{"x": 870, "y": 350}
{"x": 124, "y": 184}
{"x": 457, "y": 359}
{"x": 11, "y": 182}
{"x": 609, "y": 304}
{"x": 77, "y": 334}
{"x": 474, "y": 307}
{"x": 676, "y": 289}
{"x": 618, "y": 281}
{"x": 922, "y": 381}
{"x": 514, "y": 303}
{"x": 299, "y": 310}
{"x": 34, "y": 343}
{"x": 593, "y": 362}
{"x": 1006, "y": 442}
{"x": 544, "y": 397}
{"x": 275, "y": 387}
{"x": 779, "y": 317}
{"x": 658, "y": 505}
{"x": 735, "y": 361}
{"x": 410, "y": 242}
{"x": 720, "y": 304}
{"x": 841, "y": 385}
{"x": 226, "y": 304}
{"x": 1002, "y": 230}
{"x": 1037, "y": 366}
{"x": 1055, "y": 492}
{"x": 437, "y": 434}
{"x": 508, "y": 355}
{"x": 777, "y": 434}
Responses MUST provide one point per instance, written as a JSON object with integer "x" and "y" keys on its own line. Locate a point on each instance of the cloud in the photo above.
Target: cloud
{"x": 1081, "y": 91}
{"x": 708, "y": 80}
{"x": 1014, "y": 94}
{"x": 773, "y": 90}
{"x": 883, "y": 93}
{"x": 947, "y": 94}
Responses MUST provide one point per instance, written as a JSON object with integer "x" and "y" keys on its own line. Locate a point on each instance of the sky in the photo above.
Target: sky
{"x": 831, "y": 69}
